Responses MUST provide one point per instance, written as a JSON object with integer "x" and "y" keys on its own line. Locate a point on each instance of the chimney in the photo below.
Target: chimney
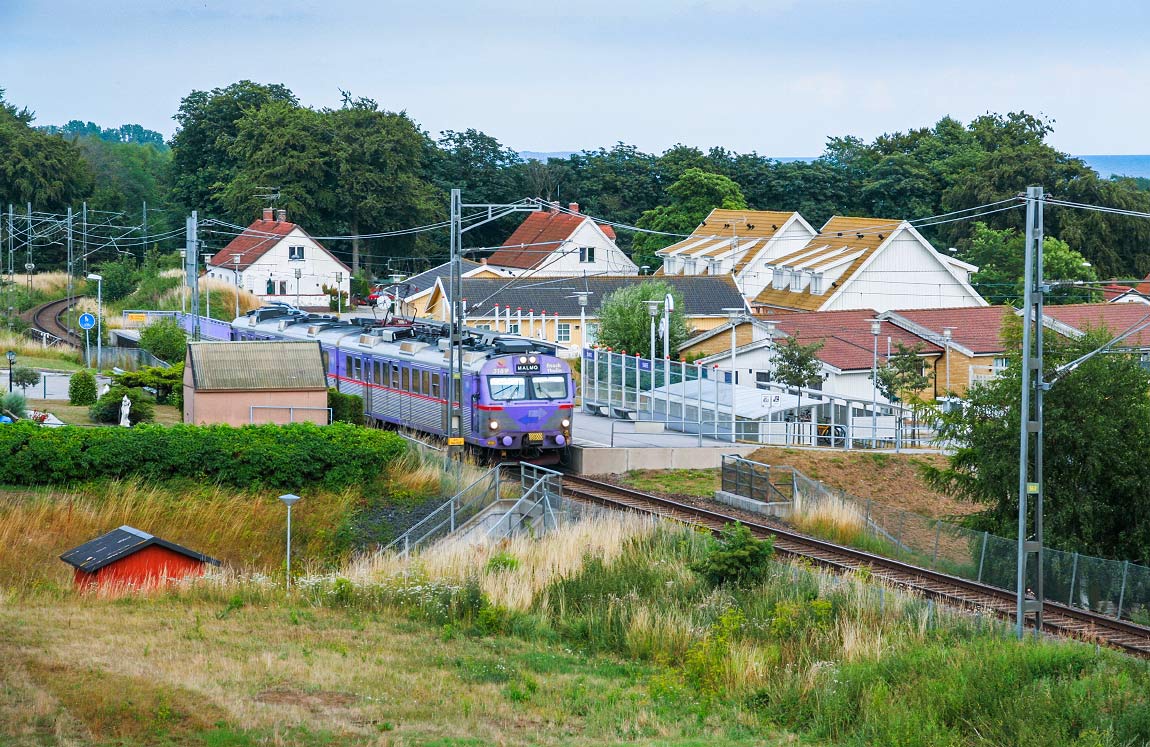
{"x": 554, "y": 208}
{"x": 483, "y": 261}
{"x": 269, "y": 214}
{"x": 573, "y": 207}
{"x": 281, "y": 216}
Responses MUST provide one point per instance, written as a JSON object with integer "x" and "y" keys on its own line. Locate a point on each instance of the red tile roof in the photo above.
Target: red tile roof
{"x": 847, "y": 340}
{"x": 538, "y": 236}
{"x": 1115, "y": 318}
{"x": 256, "y": 241}
{"x": 977, "y": 328}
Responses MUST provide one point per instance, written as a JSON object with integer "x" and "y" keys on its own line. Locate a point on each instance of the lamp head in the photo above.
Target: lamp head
{"x": 94, "y": 276}
{"x": 289, "y": 499}
{"x": 11, "y": 356}
{"x": 947, "y": 332}
{"x": 875, "y": 327}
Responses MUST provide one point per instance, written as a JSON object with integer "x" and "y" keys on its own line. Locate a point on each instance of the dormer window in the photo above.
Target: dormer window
{"x": 586, "y": 254}
{"x": 295, "y": 253}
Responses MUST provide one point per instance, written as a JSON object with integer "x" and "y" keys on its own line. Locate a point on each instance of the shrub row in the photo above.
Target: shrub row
{"x": 345, "y": 408}
{"x": 287, "y": 457}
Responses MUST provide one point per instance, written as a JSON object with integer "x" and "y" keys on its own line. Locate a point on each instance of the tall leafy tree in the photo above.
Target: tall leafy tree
{"x": 36, "y": 167}
{"x": 798, "y": 365}
{"x": 625, "y": 323}
{"x": 693, "y": 196}
{"x": 203, "y": 161}
{"x": 999, "y": 255}
{"x": 1096, "y": 447}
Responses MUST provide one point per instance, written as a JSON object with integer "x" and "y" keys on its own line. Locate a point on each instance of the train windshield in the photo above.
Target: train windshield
{"x": 549, "y": 387}
{"x": 504, "y": 388}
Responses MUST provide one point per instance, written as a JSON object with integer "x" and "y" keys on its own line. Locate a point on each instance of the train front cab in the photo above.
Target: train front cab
{"x": 523, "y": 405}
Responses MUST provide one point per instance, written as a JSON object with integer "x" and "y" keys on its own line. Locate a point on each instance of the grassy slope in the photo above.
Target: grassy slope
{"x": 894, "y": 480}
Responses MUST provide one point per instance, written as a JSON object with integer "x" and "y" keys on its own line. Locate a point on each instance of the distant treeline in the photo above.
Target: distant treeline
{"x": 363, "y": 169}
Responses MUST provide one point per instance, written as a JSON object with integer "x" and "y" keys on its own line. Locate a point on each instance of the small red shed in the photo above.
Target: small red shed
{"x": 128, "y": 557}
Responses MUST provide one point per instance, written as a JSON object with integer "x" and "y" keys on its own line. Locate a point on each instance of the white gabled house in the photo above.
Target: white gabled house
{"x": 561, "y": 243}
{"x": 278, "y": 261}
{"x": 866, "y": 263}
{"x": 739, "y": 243}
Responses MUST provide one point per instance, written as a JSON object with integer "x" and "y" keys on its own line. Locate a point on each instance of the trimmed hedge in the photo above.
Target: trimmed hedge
{"x": 345, "y": 408}
{"x": 288, "y": 457}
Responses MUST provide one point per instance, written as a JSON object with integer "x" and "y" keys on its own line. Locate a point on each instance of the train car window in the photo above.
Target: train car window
{"x": 405, "y": 381}
{"x": 394, "y": 375}
{"x": 326, "y": 360}
{"x": 549, "y": 387}
{"x": 357, "y": 369}
{"x": 416, "y": 381}
{"x": 504, "y": 388}
{"x": 379, "y": 368}
{"x": 435, "y": 384}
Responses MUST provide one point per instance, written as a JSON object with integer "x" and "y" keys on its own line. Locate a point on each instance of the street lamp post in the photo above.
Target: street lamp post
{"x": 338, "y": 293}
{"x": 236, "y": 271}
{"x": 653, "y": 311}
{"x": 99, "y": 318}
{"x": 875, "y": 330}
{"x": 298, "y": 275}
{"x": 735, "y": 316}
{"x": 947, "y": 333}
{"x": 11, "y": 361}
{"x": 288, "y": 500}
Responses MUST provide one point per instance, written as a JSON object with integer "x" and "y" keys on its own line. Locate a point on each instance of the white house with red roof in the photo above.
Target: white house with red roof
{"x": 278, "y": 261}
{"x": 560, "y": 242}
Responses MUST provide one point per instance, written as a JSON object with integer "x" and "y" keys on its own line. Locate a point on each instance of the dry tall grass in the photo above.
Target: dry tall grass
{"x": 26, "y": 346}
{"x": 54, "y": 283}
{"x": 836, "y": 520}
{"x": 540, "y": 561}
{"x": 245, "y": 530}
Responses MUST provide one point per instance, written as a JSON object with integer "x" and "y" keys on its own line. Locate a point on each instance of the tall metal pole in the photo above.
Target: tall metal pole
{"x": 875, "y": 329}
{"x": 71, "y": 255}
{"x": 28, "y": 266}
{"x": 1030, "y": 420}
{"x": 734, "y": 376}
{"x": 191, "y": 274}
{"x": 144, "y": 247}
{"x": 236, "y": 261}
{"x": 455, "y": 417}
{"x": 288, "y": 581}
{"x": 99, "y": 324}
{"x": 84, "y": 235}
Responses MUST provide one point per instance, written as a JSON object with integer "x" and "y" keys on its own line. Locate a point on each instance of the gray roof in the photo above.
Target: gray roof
{"x": 702, "y": 295}
{"x": 427, "y": 278}
{"x": 264, "y": 364}
{"x": 119, "y": 543}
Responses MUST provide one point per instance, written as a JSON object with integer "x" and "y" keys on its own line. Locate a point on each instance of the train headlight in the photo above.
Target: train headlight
{"x": 523, "y": 359}
{"x": 565, "y": 422}
{"x": 533, "y": 359}
{"x": 493, "y": 425}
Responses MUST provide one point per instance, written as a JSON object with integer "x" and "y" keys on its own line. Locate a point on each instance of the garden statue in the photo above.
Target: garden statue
{"x": 125, "y": 409}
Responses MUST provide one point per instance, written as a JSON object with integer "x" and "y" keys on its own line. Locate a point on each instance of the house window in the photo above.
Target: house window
{"x": 283, "y": 287}
{"x": 586, "y": 254}
{"x": 513, "y": 328}
{"x": 563, "y": 332}
{"x": 295, "y": 253}
{"x": 1000, "y": 365}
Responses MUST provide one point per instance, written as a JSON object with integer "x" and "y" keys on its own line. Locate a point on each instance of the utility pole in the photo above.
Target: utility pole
{"x": 455, "y": 385}
{"x": 144, "y": 247}
{"x": 236, "y": 260}
{"x": 1033, "y": 387}
{"x": 84, "y": 234}
{"x": 191, "y": 279}
{"x": 28, "y": 266}
{"x": 70, "y": 259}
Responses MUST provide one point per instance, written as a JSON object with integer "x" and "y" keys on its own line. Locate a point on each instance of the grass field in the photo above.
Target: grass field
{"x": 78, "y": 414}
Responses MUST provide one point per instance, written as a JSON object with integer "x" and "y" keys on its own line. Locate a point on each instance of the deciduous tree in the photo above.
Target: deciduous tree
{"x": 625, "y": 323}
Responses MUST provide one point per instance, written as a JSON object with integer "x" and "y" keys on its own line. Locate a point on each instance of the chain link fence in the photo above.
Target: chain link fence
{"x": 1110, "y": 587}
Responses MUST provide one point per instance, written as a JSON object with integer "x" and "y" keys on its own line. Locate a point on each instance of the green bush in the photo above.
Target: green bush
{"x": 166, "y": 381}
{"x": 13, "y": 402}
{"x": 289, "y": 457}
{"x": 107, "y": 408}
{"x": 736, "y": 558}
{"x": 165, "y": 339}
{"x": 345, "y": 408}
{"x": 82, "y": 388}
{"x": 24, "y": 377}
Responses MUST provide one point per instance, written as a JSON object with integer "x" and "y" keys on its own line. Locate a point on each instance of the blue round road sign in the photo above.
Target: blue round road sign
{"x": 87, "y": 321}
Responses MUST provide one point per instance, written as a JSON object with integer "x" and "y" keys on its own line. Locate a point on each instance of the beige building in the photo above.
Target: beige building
{"x": 240, "y": 383}
{"x": 549, "y": 308}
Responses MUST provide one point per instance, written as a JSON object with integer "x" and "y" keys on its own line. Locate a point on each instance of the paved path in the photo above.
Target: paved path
{"x": 52, "y": 385}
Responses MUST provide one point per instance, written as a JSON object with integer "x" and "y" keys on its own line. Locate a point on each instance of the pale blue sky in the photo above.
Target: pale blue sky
{"x": 776, "y": 76}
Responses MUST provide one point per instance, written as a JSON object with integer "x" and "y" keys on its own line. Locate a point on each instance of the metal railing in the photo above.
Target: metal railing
{"x": 756, "y": 480}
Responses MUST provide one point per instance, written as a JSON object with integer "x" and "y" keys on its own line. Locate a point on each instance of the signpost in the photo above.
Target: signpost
{"x": 86, "y": 322}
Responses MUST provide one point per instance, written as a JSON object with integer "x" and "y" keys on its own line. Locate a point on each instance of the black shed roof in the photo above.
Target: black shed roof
{"x": 120, "y": 543}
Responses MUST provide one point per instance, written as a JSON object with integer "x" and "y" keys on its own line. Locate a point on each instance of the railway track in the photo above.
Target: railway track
{"x": 46, "y": 318}
{"x": 1058, "y": 619}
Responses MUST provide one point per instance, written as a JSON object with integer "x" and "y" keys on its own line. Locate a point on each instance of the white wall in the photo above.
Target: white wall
{"x": 317, "y": 269}
{"x": 904, "y": 275}
{"x": 851, "y": 384}
{"x": 756, "y": 275}
{"x": 609, "y": 259}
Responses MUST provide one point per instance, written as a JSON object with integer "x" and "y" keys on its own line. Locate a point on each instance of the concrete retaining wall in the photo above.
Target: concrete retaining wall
{"x": 780, "y": 509}
{"x": 604, "y": 461}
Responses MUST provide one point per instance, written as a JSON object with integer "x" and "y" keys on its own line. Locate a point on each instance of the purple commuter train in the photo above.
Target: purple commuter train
{"x": 517, "y": 397}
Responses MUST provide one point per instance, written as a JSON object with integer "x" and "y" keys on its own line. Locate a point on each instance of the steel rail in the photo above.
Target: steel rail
{"x": 1059, "y": 619}
{"x": 46, "y": 319}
